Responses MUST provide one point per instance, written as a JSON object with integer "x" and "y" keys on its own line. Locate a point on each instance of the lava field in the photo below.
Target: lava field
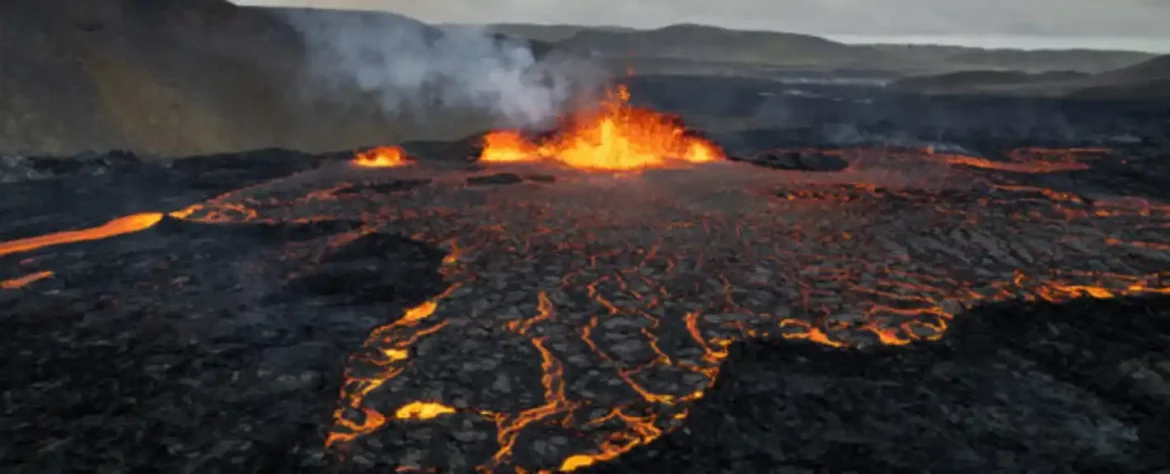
{"x": 869, "y": 308}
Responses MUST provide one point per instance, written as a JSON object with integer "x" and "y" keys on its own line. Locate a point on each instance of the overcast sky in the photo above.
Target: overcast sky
{"x": 1141, "y": 18}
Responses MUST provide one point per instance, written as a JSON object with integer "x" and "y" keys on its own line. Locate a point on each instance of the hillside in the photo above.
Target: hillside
{"x": 179, "y": 77}
{"x": 1157, "y": 68}
{"x": 1146, "y": 80}
{"x": 961, "y": 58}
{"x": 707, "y": 43}
{"x": 548, "y": 33}
{"x": 1149, "y": 79}
{"x": 678, "y": 48}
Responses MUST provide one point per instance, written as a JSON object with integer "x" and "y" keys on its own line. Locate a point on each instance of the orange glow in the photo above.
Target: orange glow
{"x": 1039, "y": 167}
{"x": 122, "y": 225}
{"x": 24, "y": 281}
{"x": 628, "y": 280}
{"x": 608, "y": 279}
{"x": 393, "y": 341}
{"x": 615, "y": 137}
{"x": 422, "y": 411}
{"x": 1032, "y": 160}
{"x": 382, "y": 157}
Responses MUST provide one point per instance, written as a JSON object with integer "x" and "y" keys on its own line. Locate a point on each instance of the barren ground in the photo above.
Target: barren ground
{"x": 800, "y": 309}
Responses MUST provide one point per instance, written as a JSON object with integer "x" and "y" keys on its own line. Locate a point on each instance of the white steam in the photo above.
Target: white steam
{"x": 410, "y": 66}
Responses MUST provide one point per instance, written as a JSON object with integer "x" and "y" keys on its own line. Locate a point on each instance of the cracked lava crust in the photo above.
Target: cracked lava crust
{"x": 586, "y": 309}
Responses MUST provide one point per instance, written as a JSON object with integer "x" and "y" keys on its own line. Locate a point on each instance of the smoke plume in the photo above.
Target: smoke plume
{"x": 413, "y": 67}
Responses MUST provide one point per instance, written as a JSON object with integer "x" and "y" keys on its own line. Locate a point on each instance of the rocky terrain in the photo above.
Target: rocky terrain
{"x": 886, "y": 304}
{"x": 855, "y": 277}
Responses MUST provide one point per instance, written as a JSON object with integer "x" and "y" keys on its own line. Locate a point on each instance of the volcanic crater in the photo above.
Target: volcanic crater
{"x": 619, "y": 296}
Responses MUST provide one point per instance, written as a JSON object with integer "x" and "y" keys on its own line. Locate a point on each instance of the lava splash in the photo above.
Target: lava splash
{"x": 614, "y": 137}
{"x": 382, "y": 157}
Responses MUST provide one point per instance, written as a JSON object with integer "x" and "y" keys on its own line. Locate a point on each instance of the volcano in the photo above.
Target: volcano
{"x": 621, "y": 294}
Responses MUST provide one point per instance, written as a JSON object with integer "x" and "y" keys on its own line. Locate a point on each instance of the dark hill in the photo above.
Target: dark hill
{"x": 547, "y": 33}
{"x": 709, "y": 43}
{"x": 692, "y": 48}
{"x": 1146, "y": 80}
{"x": 1154, "y": 69}
{"x": 1148, "y": 90}
{"x": 963, "y": 58}
{"x": 178, "y": 77}
{"x": 1083, "y": 60}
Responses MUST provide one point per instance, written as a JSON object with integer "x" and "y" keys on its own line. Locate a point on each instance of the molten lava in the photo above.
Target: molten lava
{"x": 122, "y": 225}
{"x": 615, "y": 137}
{"x": 21, "y": 282}
{"x": 608, "y": 318}
{"x": 422, "y": 411}
{"x": 395, "y": 341}
{"x": 382, "y": 157}
{"x": 1033, "y": 160}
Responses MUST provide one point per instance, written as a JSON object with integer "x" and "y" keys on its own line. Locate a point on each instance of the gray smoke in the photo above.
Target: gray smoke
{"x": 413, "y": 67}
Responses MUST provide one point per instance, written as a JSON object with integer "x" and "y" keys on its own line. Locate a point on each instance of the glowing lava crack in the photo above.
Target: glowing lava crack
{"x": 623, "y": 294}
{"x": 582, "y": 317}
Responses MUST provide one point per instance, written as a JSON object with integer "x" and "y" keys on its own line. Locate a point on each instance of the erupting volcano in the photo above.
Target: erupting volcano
{"x": 614, "y": 137}
{"x": 561, "y": 317}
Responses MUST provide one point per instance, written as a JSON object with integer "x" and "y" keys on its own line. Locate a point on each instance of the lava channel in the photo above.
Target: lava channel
{"x": 122, "y": 225}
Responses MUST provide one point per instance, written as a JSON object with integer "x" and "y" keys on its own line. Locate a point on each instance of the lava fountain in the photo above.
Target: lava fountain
{"x": 615, "y": 136}
{"x": 382, "y": 157}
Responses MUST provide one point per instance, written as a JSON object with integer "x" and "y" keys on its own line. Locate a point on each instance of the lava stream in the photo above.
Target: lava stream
{"x": 122, "y": 225}
{"x": 21, "y": 282}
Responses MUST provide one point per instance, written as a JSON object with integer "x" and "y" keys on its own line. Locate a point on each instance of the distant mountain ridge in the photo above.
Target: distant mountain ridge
{"x": 709, "y": 43}
{"x": 181, "y": 77}
{"x": 1149, "y": 79}
{"x": 790, "y": 51}
{"x": 1034, "y": 61}
{"x": 1145, "y": 80}
{"x": 546, "y": 33}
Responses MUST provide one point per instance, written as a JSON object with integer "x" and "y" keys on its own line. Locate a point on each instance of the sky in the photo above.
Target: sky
{"x": 1113, "y": 18}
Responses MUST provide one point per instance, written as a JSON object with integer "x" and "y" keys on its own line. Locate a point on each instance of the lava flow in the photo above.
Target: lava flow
{"x": 21, "y": 282}
{"x": 583, "y": 316}
{"x": 1033, "y": 160}
{"x": 615, "y": 137}
{"x": 122, "y": 225}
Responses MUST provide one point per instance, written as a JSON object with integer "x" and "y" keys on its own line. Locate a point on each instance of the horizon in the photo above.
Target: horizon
{"x": 1033, "y": 18}
{"x": 1153, "y": 44}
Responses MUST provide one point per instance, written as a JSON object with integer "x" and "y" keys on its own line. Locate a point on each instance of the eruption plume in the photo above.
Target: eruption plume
{"x": 615, "y": 137}
{"x": 410, "y": 66}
